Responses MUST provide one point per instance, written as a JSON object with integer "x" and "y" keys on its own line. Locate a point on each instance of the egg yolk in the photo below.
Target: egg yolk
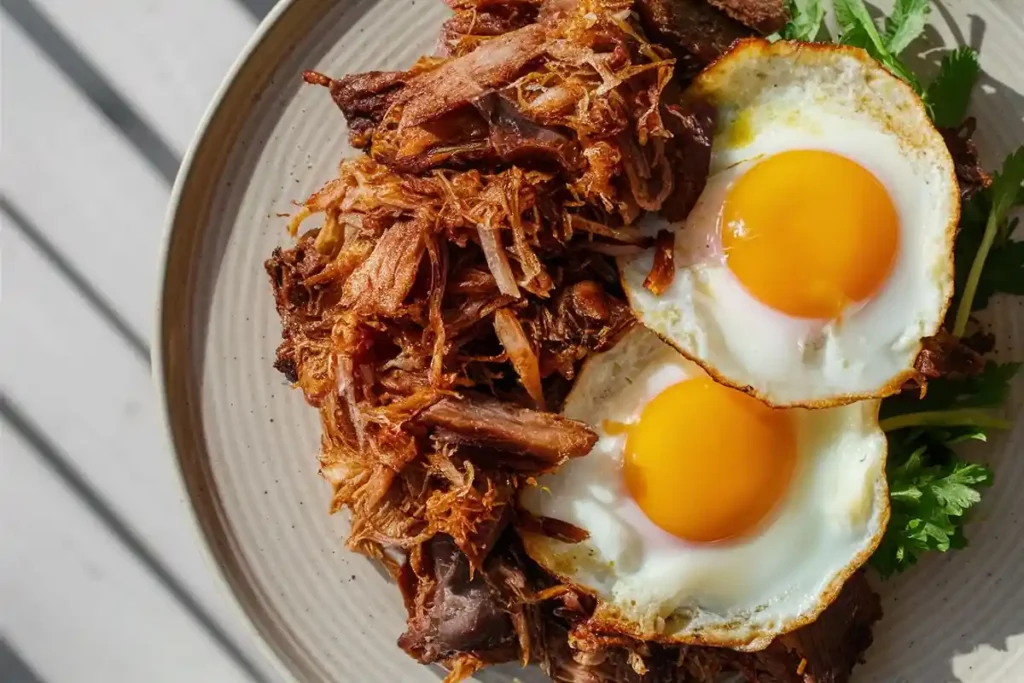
{"x": 809, "y": 232}
{"x": 708, "y": 463}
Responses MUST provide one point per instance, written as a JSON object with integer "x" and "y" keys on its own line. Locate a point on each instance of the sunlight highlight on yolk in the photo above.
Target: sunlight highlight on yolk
{"x": 809, "y": 232}
{"x": 708, "y": 463}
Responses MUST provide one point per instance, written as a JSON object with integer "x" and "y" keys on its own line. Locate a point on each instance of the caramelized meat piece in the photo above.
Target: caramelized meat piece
{"x": 477, "y": 420}
{"x": 459, "y": 81}
{"x": 691, "y": 27}
{"x": 969, "y": 173}
{"x": 454, "y": 612}
{"x": 663, "y": 271}
{"x": 689, "y": 151}
{"x": 945, "y": 355}
{"x": 363, "y": 98}
{"x": 822, "y": 652}
{"x": 514, "y": 137}
{"x": 382, "y": 281}
{"x": 766, "y": 16}
{"x": 474, "y": 24}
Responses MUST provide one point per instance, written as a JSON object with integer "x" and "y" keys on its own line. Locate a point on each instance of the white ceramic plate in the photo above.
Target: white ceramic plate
{"x": 246, "y": 443}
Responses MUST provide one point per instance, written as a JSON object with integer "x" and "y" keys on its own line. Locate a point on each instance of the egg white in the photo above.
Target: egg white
{"x": 788, "y": 96}
{"x": 739, "y": 594}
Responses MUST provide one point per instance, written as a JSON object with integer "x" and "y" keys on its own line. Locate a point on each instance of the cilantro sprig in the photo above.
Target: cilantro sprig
{"x": 931, "y": 488}
{"x": 1003, "y": 195}
{"x": 930, "y": 492}
{"x": 805, "y": 17}
{"x": 948, "y": 94}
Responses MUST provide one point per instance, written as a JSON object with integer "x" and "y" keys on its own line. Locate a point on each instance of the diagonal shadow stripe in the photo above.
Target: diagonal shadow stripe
{"x": 69, "y": 476}
{"x": 98, "y": 302}
{"x": 13, "y": 668}
{"x": 258, "y": 8}
{"x": 94, "y": 86}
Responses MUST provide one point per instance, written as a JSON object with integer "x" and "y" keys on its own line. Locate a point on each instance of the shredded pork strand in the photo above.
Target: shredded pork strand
{"x": 461, "y": 271}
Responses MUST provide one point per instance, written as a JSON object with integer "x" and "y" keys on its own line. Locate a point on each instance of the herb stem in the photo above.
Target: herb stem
{"x": 962, "y": 417}
{"x": 963, "y": 311}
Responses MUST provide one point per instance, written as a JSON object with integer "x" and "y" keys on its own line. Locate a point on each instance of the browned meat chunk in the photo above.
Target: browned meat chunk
{"x": 691, "y": 26}
{"x": 663, "y": 271}
{"x": 969, "y": 173}
{"x": 512, "y": 610}
{"x": 477, "y": 420}
{"x": 689, "y": 152}
{"x": 766, "y": 16}
{"x": 514, "y": 137}
{"x": 382, "y": 281}
{"x": 459, "y": 81}
{"x": 454, "y": 612}
{"x": 945, "y": 355}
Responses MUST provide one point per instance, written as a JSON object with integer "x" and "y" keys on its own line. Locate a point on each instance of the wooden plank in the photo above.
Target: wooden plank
{"x": 76, "y": 379}
{"x": 77, "y": 606}
{"x": 180, "y": 52}
{"x": 72, "y": 173}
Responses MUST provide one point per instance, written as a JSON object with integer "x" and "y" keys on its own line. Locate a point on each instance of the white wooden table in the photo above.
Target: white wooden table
{"x": 101, "y": 577}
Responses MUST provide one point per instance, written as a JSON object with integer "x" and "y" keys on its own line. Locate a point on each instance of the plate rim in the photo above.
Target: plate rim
{"x": 158, "y": 357}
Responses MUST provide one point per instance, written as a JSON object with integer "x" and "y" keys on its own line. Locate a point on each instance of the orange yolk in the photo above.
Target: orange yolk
{"x": 810, "y": 232}
{"x": 708, "y": 463}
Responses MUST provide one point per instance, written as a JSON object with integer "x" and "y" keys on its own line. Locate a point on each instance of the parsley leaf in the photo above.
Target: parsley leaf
{"x": 930, "y": 492}
{"x": 947, "y": 96}
{"x": 1004, "y": 193}
{"x": 855, "y": 22}
{"x": 858, "y": 30}
{"x": 1004, "y": 267}
{"x": 805, "y": 17}
{"x": 906, "y": 23}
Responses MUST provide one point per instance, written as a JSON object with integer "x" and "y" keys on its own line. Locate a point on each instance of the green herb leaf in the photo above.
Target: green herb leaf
{"x": 857, "y": 29}
{"x": 1003, "y": 195}
{"x": 948, "y": 95}
{"x": 805, "y": 17}
{"x": 906, "y": 23}
{"x": 931, "y": 491}
{"x": 856, "y": 25}
{"x": 989, "y": 389}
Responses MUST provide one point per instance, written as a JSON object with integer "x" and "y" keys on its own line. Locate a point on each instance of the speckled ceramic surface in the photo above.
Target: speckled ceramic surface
{"x": 246, "y": 443}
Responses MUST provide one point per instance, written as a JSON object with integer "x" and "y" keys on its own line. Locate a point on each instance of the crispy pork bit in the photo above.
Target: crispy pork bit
{"x": 663, "y": 271}
{"x": 765, "y": 16}
{"x": 570, "y": 87}
{"x": 969, "y": 173}
{"x": 520, "y": 352}
{"x": 944, "y": 355}
{"x": 691, "y": 27}
{"x": 511, "y": 610}
{"x": 476, "y": 420}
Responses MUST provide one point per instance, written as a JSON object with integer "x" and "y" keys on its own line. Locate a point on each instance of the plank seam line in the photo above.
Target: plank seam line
{"x": 88, "y": 80}
{"x": 13, "y": 667}
{"x": 59, "y": 464}
{"x": 76, "y": 279}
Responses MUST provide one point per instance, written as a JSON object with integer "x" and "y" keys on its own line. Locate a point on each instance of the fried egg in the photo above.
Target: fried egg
{"x": 820, "y": 252}
{"x": 712, "y": 518}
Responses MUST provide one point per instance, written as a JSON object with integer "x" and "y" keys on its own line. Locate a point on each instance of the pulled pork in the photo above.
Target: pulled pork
{"x": 415, "y": 290}
{"x": 462, "y": 272}
{"x": 571, "y": 86}
{"x": 511, "y": 610}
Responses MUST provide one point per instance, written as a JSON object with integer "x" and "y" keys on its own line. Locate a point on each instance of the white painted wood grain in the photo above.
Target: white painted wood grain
{"x": 76, "y": 379}
{"x": 166, "y": 56}
{"x": 76, "y": 606}
{"x": 71, "y": 172}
